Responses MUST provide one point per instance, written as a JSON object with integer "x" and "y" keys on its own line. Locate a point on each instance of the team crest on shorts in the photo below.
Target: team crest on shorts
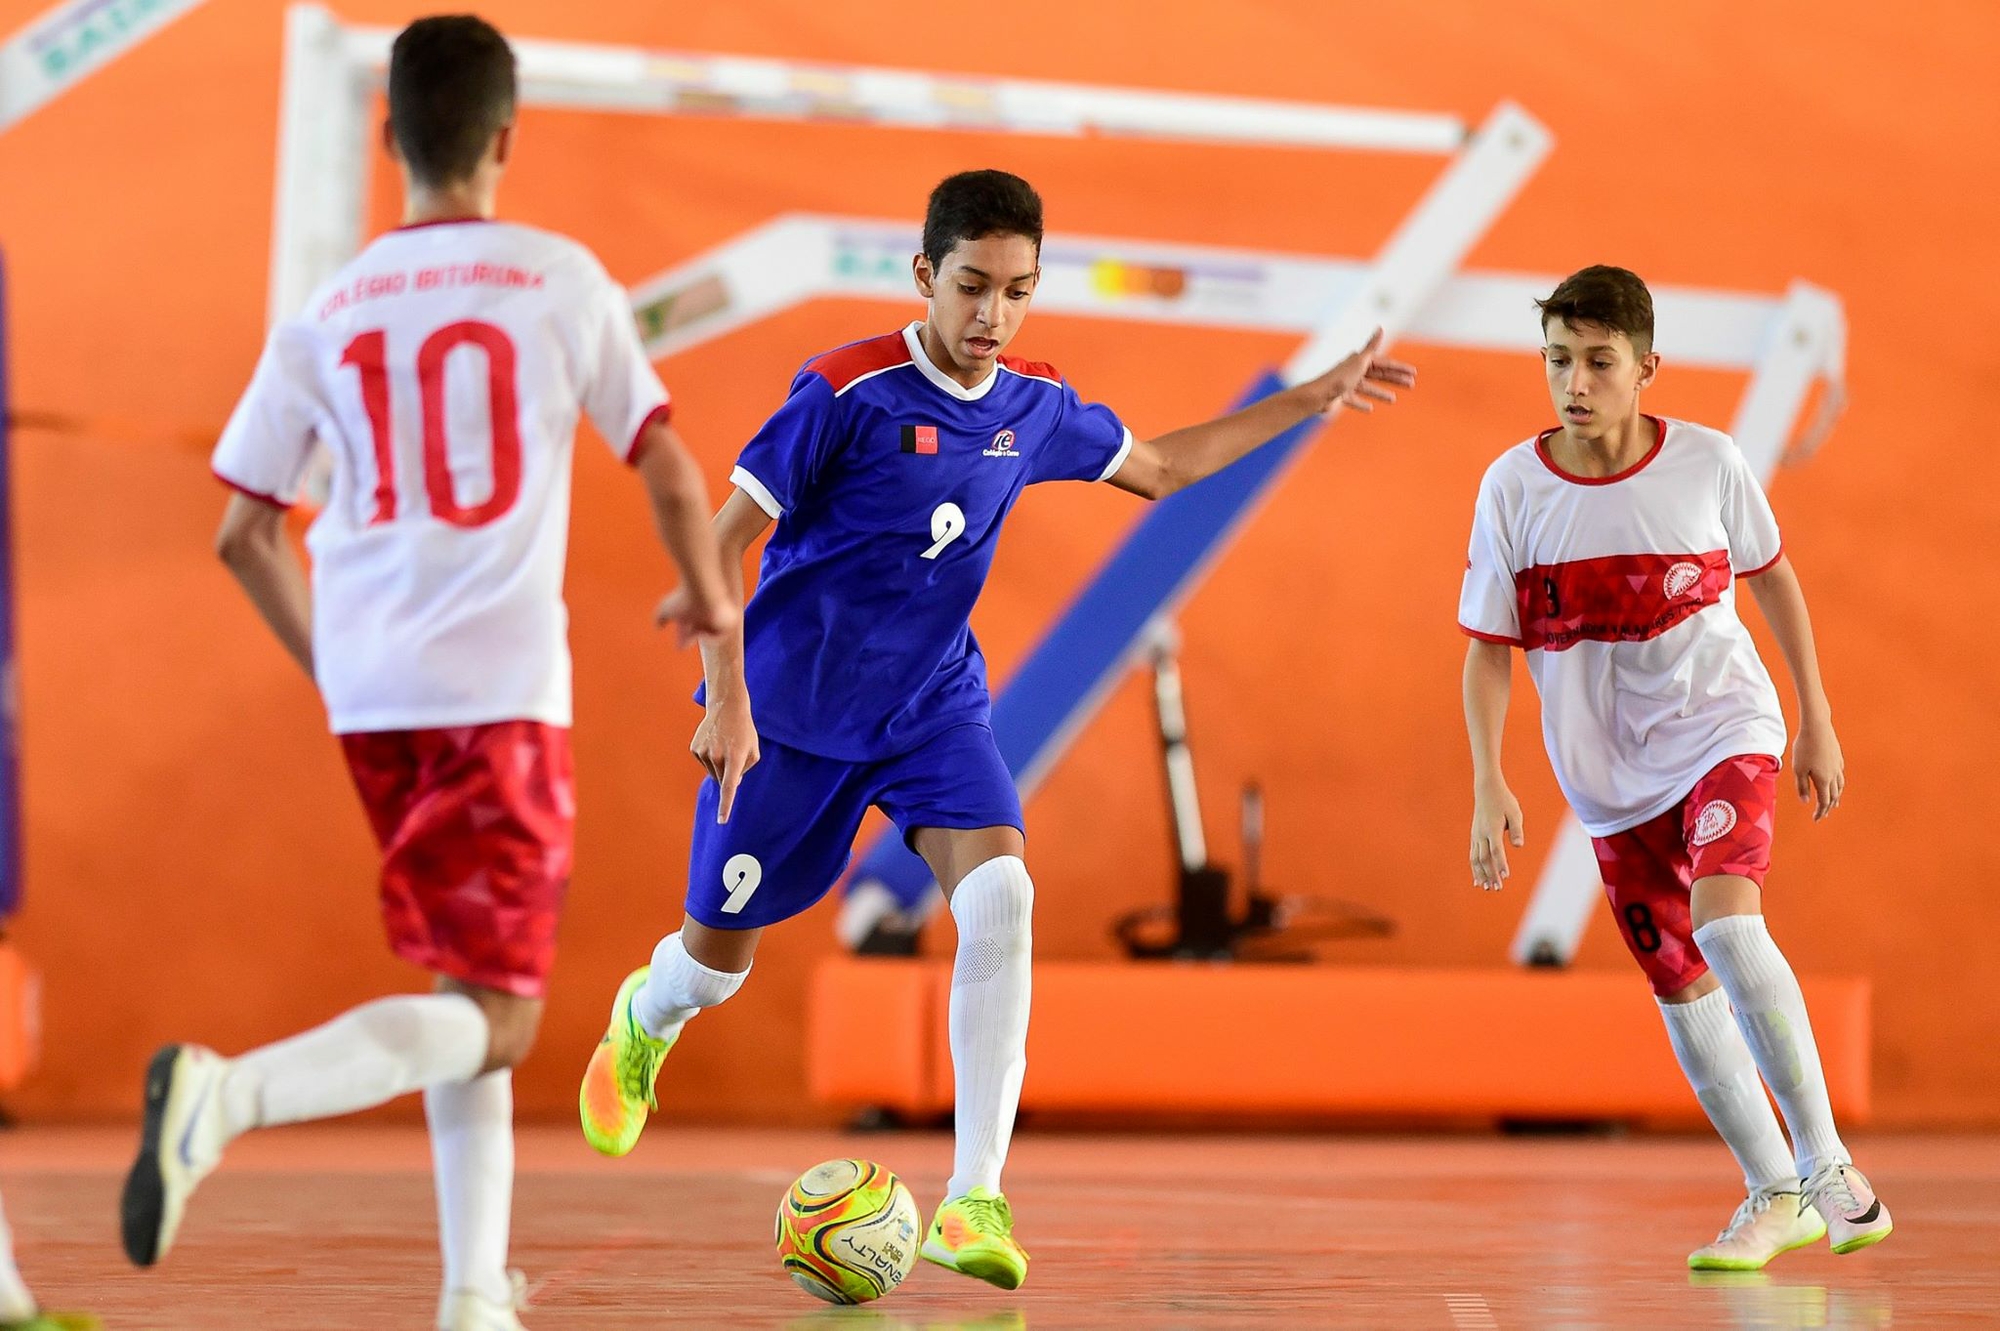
{"x": 1715, "y": 821}
{"x": 1682, "y": 578}
{"x": 1002, "y": 446}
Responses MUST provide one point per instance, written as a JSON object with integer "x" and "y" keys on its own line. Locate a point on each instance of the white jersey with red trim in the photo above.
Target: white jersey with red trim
{"x": 1621, "y": 590}
{"x": 444, "y": 369}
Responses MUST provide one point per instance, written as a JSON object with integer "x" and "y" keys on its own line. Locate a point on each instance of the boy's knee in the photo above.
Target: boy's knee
{"x": 512, "y": 1023}
{"x": 511, "y": 1034}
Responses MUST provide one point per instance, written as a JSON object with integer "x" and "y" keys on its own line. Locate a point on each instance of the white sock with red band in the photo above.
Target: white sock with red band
{"x": 364, "y": 1057}
{"x": 472, "y": 1157}
{"x": 990, "y": 982}
{"x": 678, "y": 987}
{"x": 1719, "y": 1067}
{"x": 1772, "y": 1014}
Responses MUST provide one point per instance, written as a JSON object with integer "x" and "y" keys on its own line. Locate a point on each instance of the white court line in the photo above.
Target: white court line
{"x": 1470, "y": 1313}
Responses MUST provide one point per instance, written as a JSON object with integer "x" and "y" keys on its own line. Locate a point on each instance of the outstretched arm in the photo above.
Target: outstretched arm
{"x": 725, "y": 743}
{"x": 252, "y": 542}
{"x": 1496, "y": 814}
{"x": 1817, "y": 765}
{"x": 1157, "y": 468}
{"x": 704, "y": 604}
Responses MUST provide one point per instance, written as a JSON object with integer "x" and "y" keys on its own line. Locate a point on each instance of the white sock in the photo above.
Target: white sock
{"x": 678, "y": 987}
{"x": 16, "y": 1303}
{"x": 472, "y": 1155}
{"x": 994, "y": 906}
{"x": 1724, "y": 1077}
{"x": 364, "y": 1057}
{"x": 1772, "y": 1014}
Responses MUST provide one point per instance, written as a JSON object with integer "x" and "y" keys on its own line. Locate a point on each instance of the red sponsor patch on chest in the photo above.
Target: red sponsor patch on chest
{"x": 1616, "y": 598}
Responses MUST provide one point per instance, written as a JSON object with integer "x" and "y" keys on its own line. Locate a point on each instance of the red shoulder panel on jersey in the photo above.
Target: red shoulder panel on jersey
{"x": 1033, "y": 369}
{"x": 843, "y": 365}
{"x": 1616, "y": 598}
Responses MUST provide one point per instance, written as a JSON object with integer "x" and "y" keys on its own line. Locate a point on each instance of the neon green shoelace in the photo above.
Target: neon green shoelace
{"x": 989, "y": 1214}
{"x": 639, "y": 1070}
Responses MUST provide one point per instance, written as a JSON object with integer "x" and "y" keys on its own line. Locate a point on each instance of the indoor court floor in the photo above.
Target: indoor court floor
{"x": 332, "y": 1228}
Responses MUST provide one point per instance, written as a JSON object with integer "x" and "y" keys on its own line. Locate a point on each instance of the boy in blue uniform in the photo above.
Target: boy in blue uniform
{"x": 888, "y": 472}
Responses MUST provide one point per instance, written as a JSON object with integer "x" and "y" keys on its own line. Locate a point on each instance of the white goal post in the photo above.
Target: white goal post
{"x": 1413, "y": 286}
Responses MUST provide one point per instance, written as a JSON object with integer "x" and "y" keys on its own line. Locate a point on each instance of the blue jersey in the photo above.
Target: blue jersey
{"x": 889, "y": 481}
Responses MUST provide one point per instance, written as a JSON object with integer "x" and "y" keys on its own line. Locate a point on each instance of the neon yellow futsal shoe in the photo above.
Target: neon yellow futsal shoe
{"x": 617, "y": 1092}
{"x": 974, "y": 1235}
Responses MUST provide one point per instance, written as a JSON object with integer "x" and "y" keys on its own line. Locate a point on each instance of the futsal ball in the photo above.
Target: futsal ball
{"x": 848, "y": 1231}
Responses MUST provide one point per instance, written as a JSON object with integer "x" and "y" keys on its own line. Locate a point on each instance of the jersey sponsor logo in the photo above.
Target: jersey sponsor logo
{"x": 920, "y": 439}
{"x": 1715, "y": 821}
{"x": 1615, "y": 598}
{"x": 1002, "y": 446}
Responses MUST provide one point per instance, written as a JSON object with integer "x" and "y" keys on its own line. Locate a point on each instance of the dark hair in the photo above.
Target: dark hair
{"x": 451, "y": 89}
{"x": 1601, "y": 294}
{"x": 973, "y": 204}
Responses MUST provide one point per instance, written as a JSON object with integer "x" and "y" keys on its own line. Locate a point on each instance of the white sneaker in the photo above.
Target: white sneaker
{"x": 1855, "y": 1216}
{"x": 1769, "y": 1222}
{"x": 469, "y": 1310}
{"x": 16, "y": 1303}
{"x": 179, "y": 1146}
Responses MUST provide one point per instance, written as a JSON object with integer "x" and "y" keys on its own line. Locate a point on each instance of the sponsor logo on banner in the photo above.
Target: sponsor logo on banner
{"x": 1682, "y": 578}
{"x": 868, "y": 260}
{"x": 88, "y": 33}
{"x": 1715, "y": 821}
{"x": 1002, "y": 446}
{"x": 1115, "y": 278}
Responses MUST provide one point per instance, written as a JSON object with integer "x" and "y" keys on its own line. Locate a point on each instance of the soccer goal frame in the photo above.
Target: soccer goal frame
{"x": 1412, "y": 286}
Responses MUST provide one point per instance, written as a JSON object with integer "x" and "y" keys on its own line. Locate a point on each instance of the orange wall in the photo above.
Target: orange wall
{"x": 197, "y": 867}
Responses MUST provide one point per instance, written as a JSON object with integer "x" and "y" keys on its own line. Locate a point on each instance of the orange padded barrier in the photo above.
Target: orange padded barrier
{"x": 20, "y": 1017}
{"x": 1234, "y": 1040}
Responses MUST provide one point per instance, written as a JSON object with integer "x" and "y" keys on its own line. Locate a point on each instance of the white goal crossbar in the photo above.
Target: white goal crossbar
{"x": 331, "y": 69}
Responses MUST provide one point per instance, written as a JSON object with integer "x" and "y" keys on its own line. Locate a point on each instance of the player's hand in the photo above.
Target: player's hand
{"x": 1360, "y": 381}
{"x": 1818, "y": 768}
{"x": 695, "y": 618}
{"x": 1496, "y": 824}
{"x": 725, "y": 744}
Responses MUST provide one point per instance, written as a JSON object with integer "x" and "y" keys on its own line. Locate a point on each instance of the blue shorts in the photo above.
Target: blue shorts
{"x": 790, "y": 833}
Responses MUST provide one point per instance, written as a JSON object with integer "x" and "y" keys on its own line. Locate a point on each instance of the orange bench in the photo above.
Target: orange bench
{"x": 20, "y": 1017}
{"x": 1234, "y": 1040}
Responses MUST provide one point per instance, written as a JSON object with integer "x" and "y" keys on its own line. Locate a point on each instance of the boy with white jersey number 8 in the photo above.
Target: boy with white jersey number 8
{"x": 1608, "y": 550}
{"x": 888, "y": 473}
{"x": 444, "y": 368}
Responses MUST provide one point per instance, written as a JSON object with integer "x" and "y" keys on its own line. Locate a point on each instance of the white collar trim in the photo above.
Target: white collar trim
{"x": 922, "y": 360}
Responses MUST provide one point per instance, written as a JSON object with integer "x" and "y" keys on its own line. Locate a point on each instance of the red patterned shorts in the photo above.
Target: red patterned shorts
{"x": 1723, "y": 827}
{"x": 477, "y": 828}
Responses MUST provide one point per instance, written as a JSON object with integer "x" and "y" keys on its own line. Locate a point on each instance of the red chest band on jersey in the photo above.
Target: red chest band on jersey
{"x": 1616, "y": 598}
